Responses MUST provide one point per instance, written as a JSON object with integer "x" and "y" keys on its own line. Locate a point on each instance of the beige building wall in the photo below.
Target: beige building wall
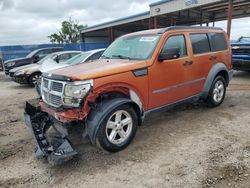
{"x": 177, "y": 5}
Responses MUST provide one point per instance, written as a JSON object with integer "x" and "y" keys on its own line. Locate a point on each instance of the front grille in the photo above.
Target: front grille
{"x": 56, "y": 86}
{"x": 52, "y": 92}
{"x": 55, "y": 100}
{"x": 241, "y": 51}
{"x": 45, "y": 83}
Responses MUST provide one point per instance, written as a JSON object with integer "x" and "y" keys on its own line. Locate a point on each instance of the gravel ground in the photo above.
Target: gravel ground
{"x": 189, "y": 146}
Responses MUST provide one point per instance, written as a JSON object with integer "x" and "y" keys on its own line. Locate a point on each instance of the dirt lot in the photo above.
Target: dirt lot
{"x": 190, "y": 146}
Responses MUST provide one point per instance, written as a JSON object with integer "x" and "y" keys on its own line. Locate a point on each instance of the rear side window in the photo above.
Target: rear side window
{"x": 177, "y": 41}
{"x": 217, "y": 41}
{"x": 200, "y": 43}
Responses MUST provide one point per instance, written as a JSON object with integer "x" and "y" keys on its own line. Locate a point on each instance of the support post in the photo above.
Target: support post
{"x": 110, "y": 34}
{"x": 150, "y": 23}
{"x": 229, "y": 17}
{"x": 82, "y": 38}
{"x": 201, "y": 18}
{"x": 155, "y": 22}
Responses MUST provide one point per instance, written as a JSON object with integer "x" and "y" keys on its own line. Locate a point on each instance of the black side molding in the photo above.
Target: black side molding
{"x": 186, "y": 28}
{"x": 140, "y": 72}
{"x": 57, "y": 77}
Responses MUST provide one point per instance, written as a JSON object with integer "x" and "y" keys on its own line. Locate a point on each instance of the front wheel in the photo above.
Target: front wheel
{"x": 117, "y": 129}
{"x": 217, "y": 92}
{"x": 34, "y": 79}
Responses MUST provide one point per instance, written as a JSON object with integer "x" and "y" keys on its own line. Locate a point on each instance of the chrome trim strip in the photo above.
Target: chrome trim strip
{"x": 178, "y": 85}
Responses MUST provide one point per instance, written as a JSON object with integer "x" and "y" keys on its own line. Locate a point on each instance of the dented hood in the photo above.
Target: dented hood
{"x": 99, "y": 68}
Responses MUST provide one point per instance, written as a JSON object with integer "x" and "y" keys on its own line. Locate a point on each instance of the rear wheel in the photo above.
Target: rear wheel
{"x": 34, "y": 79}
{"x": 217, "y": 92}
{"x": 117, "y": 129}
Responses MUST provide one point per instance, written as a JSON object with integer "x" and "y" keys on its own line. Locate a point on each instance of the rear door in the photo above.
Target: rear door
{"x": 202, "y": 60}
{"x": 208, "y": 49}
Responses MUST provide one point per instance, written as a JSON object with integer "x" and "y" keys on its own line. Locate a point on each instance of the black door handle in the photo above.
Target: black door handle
{"x": 188, "y": 63}
{"x": 212, "y": 58}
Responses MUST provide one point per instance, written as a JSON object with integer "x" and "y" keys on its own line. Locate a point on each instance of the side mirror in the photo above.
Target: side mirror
{"x": 36, "y": 58}
{"x": 57, "y": 59}
{"x": 172, "y": 53}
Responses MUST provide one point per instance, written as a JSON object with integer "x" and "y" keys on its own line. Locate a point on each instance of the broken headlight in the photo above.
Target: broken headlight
{"x": 77, "y": 89}
{"x": 75, "y": 92}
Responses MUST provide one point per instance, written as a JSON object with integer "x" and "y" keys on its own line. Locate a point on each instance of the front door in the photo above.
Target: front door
{"x": 169, "y": 80}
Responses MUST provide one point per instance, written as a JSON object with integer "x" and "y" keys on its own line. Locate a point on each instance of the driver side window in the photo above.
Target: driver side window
{"x": 177, "y": 41}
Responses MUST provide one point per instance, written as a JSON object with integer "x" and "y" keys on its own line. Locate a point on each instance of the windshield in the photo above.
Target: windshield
{"x": 132, "y": 47}
{"x": 78, "y": 58}
{"x": 48, "y": 57}
{"x": 245, "y": 39}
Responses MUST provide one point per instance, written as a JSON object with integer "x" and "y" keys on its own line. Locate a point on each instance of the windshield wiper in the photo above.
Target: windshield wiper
{"x": 121, "y": 56}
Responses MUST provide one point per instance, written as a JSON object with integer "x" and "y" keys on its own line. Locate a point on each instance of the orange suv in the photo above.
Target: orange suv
{"x": 138, "y": 73}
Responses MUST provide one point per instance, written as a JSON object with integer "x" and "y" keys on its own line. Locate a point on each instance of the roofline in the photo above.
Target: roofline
{"x": 187, "y": 28}
{"x": 67, "y": 51}
{"x": 159, "y": 3}
{"x": 117, "y": 20}
{"x": 48, "y": 48}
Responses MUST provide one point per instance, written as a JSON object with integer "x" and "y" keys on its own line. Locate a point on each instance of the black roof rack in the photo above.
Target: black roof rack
{"x": 185, "y": 27}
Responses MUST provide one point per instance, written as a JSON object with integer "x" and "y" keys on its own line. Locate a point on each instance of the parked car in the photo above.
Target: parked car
{"x": 1, "y": 61}
{"x": 32, "y": 57}
{"x": 241, "y": 54}
{"x": 137, "y": 74}
{"x": 80, "y": 58}
{"x": 1, "y": 65}
{"x": 30, "y": 74}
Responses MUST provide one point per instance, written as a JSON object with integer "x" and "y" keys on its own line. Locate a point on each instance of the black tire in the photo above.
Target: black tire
{"x": 33, "y": 78}
{"x": 102, "y": 138}
{"x": 211, "y": 101}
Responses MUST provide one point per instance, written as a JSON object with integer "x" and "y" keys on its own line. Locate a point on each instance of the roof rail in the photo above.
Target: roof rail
{"x": 186, "y": 27}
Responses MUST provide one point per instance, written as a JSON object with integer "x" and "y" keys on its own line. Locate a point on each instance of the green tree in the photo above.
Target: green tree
{"x": 69, "y": 32}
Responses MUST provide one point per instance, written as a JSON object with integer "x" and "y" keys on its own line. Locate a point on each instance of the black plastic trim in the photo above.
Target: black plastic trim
{"x": 140, "y": 72}
{"x": 186, "y": 28}
{"x": 57, "y": 77}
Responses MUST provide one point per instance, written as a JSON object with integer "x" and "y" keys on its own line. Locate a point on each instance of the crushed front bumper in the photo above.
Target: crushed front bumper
{"x": 22, "y": 79}
{"x": 57, "y": 149}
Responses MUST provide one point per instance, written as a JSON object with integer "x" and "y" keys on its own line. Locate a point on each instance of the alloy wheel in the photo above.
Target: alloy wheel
{"x": 119, "y": 127}
{"x": 218, "y": 91}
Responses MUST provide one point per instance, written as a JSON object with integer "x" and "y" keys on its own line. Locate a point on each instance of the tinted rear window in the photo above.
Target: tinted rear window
{"x": 218, "y": 41}
{"x": 200, "y": 43}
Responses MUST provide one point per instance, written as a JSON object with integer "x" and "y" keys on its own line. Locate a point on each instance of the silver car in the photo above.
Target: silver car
{"x": 80, "y": 58}
{"x": 30, "y": 74}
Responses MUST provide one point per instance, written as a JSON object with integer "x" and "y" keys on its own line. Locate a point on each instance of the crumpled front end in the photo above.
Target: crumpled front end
{"x": 56, "y": 148}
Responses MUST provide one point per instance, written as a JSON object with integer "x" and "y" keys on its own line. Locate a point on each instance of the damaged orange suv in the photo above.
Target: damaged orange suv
{"x": 138, "y": 73}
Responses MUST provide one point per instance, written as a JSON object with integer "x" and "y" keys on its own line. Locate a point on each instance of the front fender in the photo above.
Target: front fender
{"x": 96, "y": 116}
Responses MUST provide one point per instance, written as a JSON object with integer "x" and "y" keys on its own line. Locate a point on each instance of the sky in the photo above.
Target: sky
{"x": 31, "y": 21}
